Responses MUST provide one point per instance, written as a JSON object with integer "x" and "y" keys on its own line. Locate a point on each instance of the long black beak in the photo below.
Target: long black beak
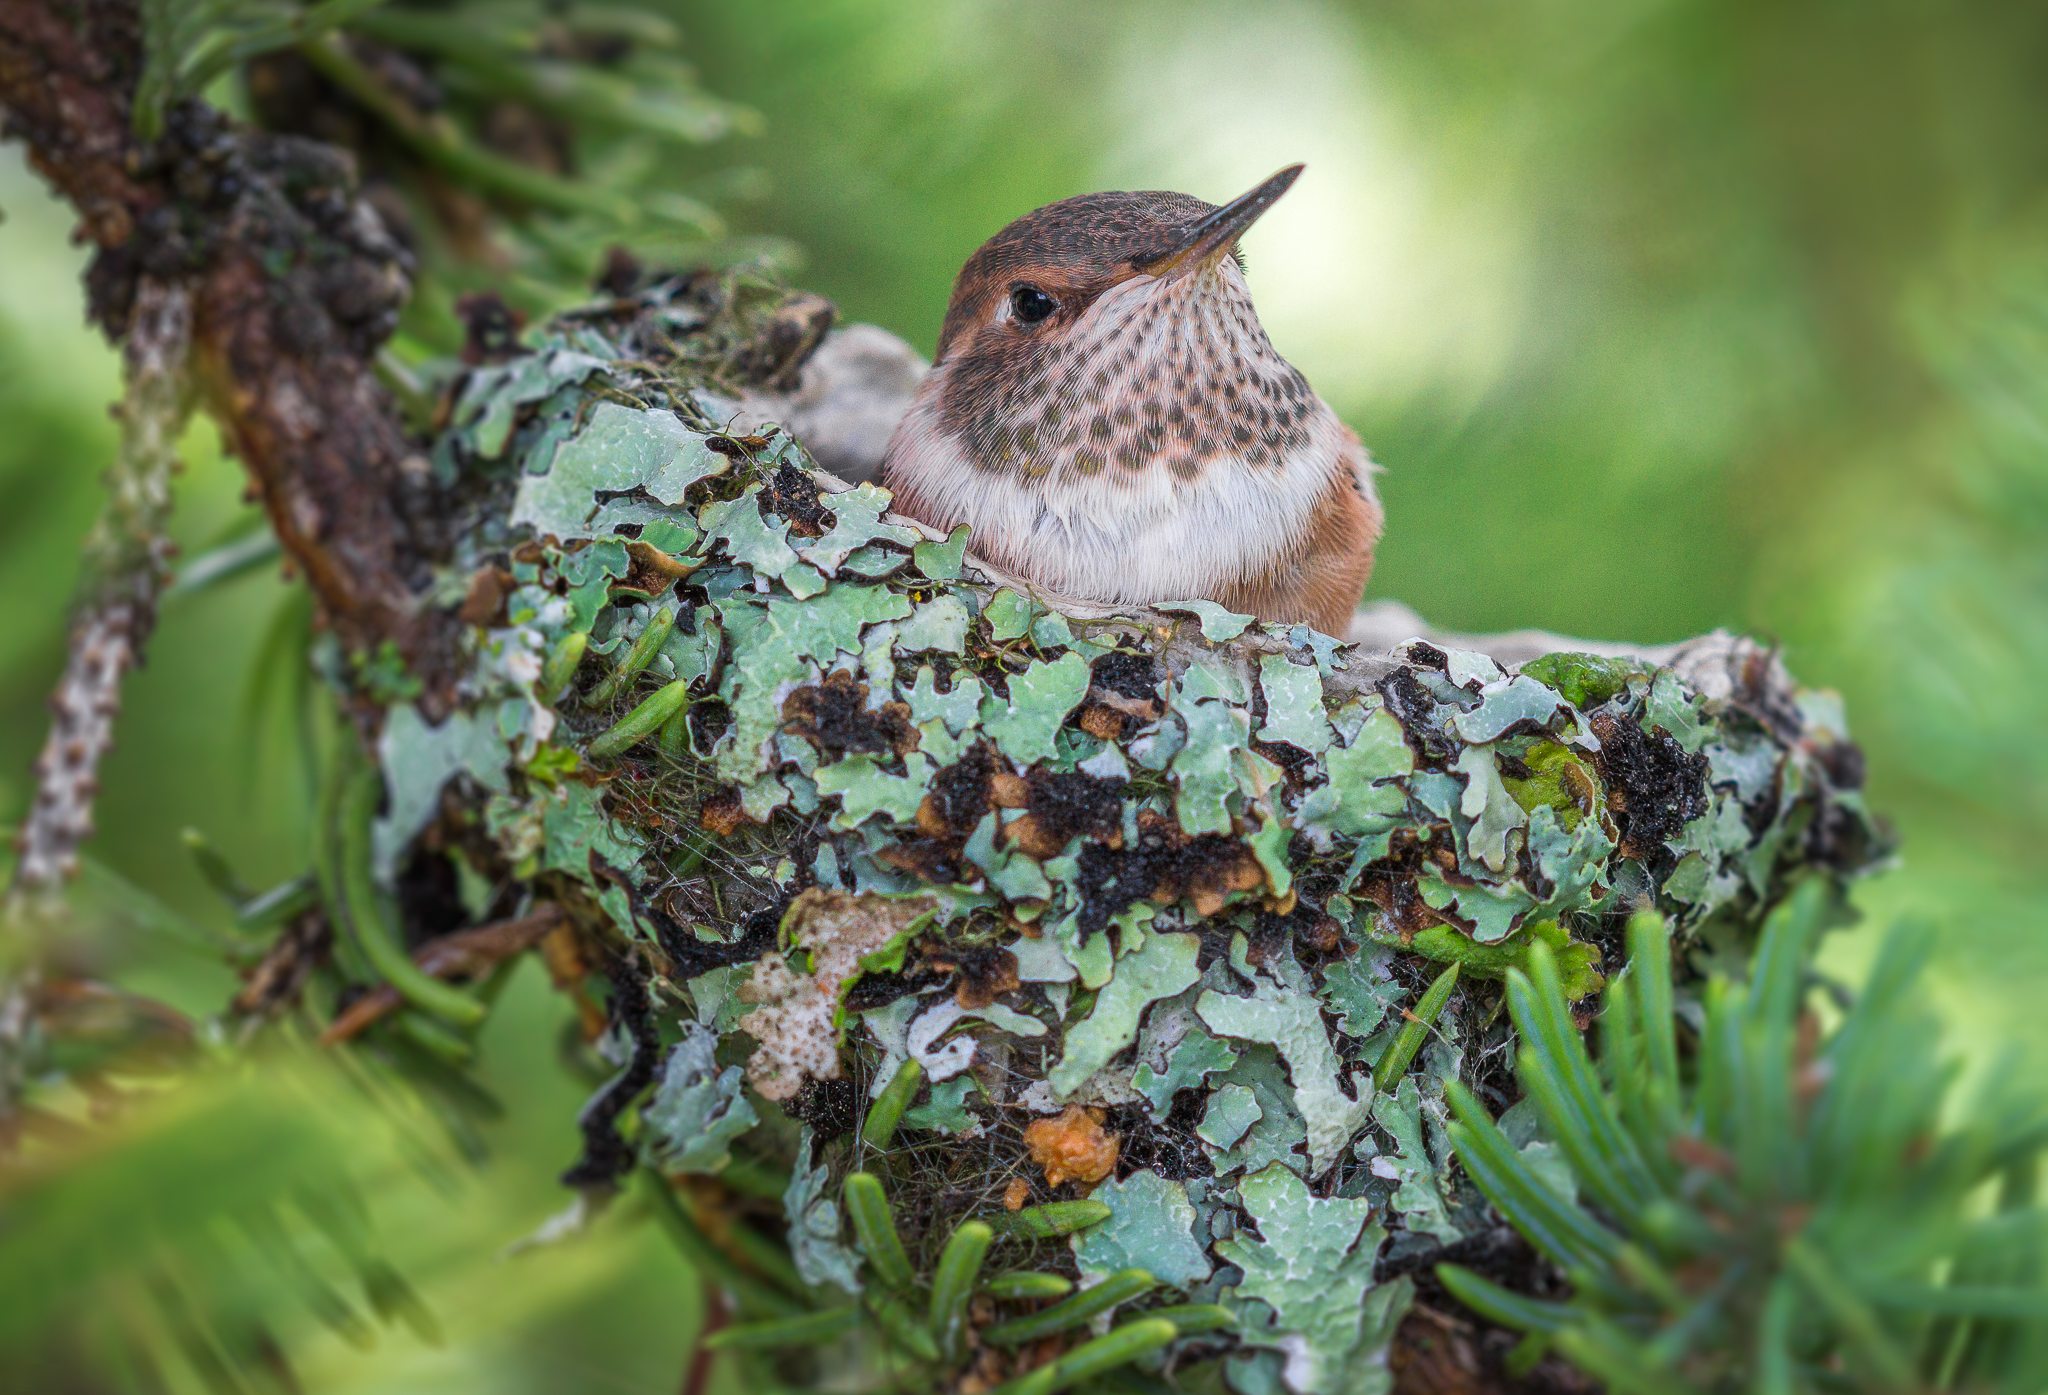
{"x": 1216, "y": 234}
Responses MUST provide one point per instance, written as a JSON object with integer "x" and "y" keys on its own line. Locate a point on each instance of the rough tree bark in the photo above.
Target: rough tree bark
{"x": 125, "y": 565}
{"x": 293, "y": 285}
{"x": 241, "y": 265}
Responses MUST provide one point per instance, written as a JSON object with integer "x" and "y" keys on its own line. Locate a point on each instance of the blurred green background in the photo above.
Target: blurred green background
{"x": 1660, "y": 315}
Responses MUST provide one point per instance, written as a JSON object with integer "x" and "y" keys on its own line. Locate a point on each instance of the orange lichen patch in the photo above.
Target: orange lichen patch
{"x": 1166, "y": 865}
{"x": 654, "y": 571}
{"x": 959, "y": 796}
{"x": 720, "y": 813}
{"x": 931, "y": 859}
{"x": 1062, "y": 805}
{"x": 1324, "y": 934}
{"x": 1213, "y": 884}
{"x": 1031, "y": 835}
{"x": 1016, "y": 1194}
{"x": 1008, "y": 791}
{"x": 1074, "y": 1147}
{"x": 1103, "y": 722}
{"x": 1205, "y": 869}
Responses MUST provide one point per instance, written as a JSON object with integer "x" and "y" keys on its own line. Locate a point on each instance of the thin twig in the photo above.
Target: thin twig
{"x": 469, "y": 953}
{"x": 125, "y": 568}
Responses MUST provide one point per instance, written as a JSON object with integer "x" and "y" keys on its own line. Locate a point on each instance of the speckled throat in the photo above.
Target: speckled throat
{"x": 1162, "y": 373}
{"x": 1108, "y": 416}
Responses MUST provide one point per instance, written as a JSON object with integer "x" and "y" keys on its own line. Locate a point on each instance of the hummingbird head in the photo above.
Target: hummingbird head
{"x": 1114, "y": 332}
{"x": 1109, "y": 417}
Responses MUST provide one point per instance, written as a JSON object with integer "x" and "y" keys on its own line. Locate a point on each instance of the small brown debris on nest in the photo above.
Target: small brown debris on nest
{"x": 483, "y": 605}
{"x": 720, "y": 813}
{"x": 986, "y": 973}
{"x": 1074, "y": 1147}
{"x": 653, "y": 571}
{"x": 793, "y": 494}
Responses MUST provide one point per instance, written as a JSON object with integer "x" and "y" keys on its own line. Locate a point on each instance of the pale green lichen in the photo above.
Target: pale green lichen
{"x": 1151, "y": 1226}
{"x": 419, "y": 760}
{"x": 1025, "y": 725}
{"x": 1420, "y": 1199}
{"x": 1287, "y": 1017}
{"x": 1312, "y": 1265}
{"x": 696, "y": 1110}
{"x": 1162, "y": 967}
{"x": 814, "y": 1229}
{"x": 1230, "y": 1113}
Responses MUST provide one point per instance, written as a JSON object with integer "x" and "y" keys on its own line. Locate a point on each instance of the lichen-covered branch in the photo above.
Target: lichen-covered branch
{"x": 125, "y": 564}
{"x": 293, "y": 284}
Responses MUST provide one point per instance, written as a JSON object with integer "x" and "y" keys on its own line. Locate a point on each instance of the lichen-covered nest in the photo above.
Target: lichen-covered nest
{"x": 1134, "y": 906}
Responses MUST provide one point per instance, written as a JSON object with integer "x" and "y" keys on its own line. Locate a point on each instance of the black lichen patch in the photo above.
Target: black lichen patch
{"x": 1654, "y": 785}
{"x": 936, "y": 860}
{"x": 1075, "y": 804}
{"x": 1112, "y": 880}
{"x": 1165, "y": 865}
{"x": 1169, "y": 1148}
{"x": 1413, "y": 707}
{"x": 793, "y": 494}
{"x": 1297, "y": 765}
{"x": 490, "y": 328}
{"x": 689, "y": 956}
{"x": 1127, "y": 674}
{"x": 986, "y": 972}
{"x": 959, "y": 795}
{"x": 873, "y": 990}
{"x": 834, "y": 717}
{"x": 830, "y": 1107}
{"x": 1429, "y": 656}
{"x": 607, "y": 1156}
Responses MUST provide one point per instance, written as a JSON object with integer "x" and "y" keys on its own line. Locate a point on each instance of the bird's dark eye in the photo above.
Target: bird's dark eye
{"x": 1031, "y": 305}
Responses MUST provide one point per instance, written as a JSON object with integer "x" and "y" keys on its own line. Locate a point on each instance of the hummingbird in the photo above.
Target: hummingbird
{"x": 1106, "y": 413}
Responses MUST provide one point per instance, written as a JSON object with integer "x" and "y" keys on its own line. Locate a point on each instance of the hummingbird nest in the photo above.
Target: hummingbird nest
{"x": 879, "y": 863}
